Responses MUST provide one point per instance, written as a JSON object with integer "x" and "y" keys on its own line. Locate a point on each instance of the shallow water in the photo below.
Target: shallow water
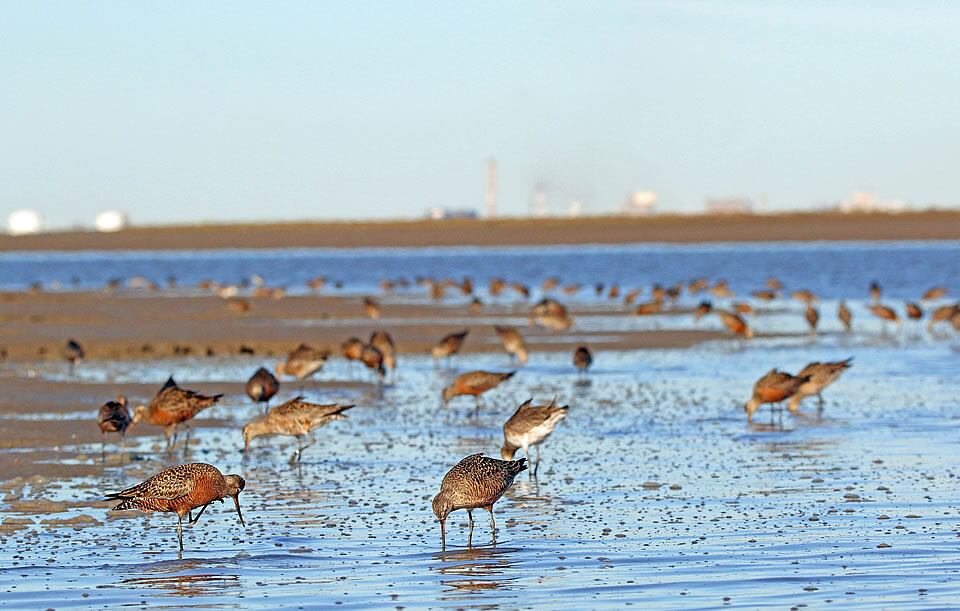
{"x": 653, "y": 491}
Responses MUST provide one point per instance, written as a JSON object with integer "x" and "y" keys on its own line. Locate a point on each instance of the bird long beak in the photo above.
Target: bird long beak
{"x": 236, "y": 501}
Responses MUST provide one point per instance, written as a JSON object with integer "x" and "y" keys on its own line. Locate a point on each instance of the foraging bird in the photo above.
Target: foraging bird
{"x": 820, "y": 376}
{"x": 630, "y": 297}
{"x": 302, "y": 362}
{"x": 476, "y": 305}
{"x": 703, "y": 308}
{"x": 474, "y": 383}
{"x": 943, "y": 313}
{"x": 914, "y": 312}
{"x": 774, "y": 284}
{"x": 765, "y": 295}
{"x": 885, "y": 313}
{"x": 352, "y": 348}
{"x": 171, "y": 407}
{"x": 774, "y": 387}
{"x": 373, "y": 359}
{"x": 582, "y": 359}
{"x": 741, "y": 308}
{"x": 875, "y": 291}
{"x": 513, "y": 343}
{"x": 371, "y": 308}
{"x": 296, "y": 418}
{"x": 73, "y": 353}
{"x": 551, "y": 314}
{"x": 114, "y": 417}
{"x": 449, "y": 345}
{"x": 382, "y": 341}
{"x": 476, "y": 482}
{"x": 649, "y": 308}
{"x": 804, "y": 296}
{"x": 934, "y": 293}
{"x": 262, "y": 386}
{"x": 813, "y": 317}
{"x": 180, "y": 490}
{"x": 845, "y": 316}
{"x": 529, "y": 426}
{"x": 735, "y": 323}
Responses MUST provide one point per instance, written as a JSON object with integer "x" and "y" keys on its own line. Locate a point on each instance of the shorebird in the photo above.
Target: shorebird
{"x": 73, "y": 353}
{"x": 813, "y": 317}
{"x": 845, "y": 316}
{"x": 550, "y": 283}
{"x": 476, "y": 305}
{"x": 238, "y": 305}
{"x": 721, "y": 290}
{"x": 529, "y": 426}
{"x": 180, "y": 490}
{"x": 474, "y": 383}
{"x": 631, "y": 296}
{"x": 554, "y": 322}
{"x": 914, "y": 312}
{"x": 658, "y": 293}
{"x": 382, "y": 341}
{"x": 741, "y": 308}
{"x": 820, "y": 376}
{"x": 113, "y": 417}
{"x": 302, "y": 362}
{"x": 875, "y": 291}
{"x": 171, "y": 407}
{"x": 804, "y": 296}
{"x": 943, "y": 313}
{"x": 934, "y": 293}
{"x": 296, "y": 418}
{"x": 774, "y": 284}
{"x": 774, "y": 387}
{"x": 582, "y": 359}
{"x": 521, "y": 289}
{"x": 885, "y": 313}
{"x": 703, "y": 308}
{"x": 648, "y": 309}
{"x": 697, "y": 285}
{"x": 735, "y": 323}
{"x": 614, "y": 292}
{"x": 262, "y": 386}
{"x": 449, "y": 345}
{"x": 316, "y": 284}
{"x": 572, "y": 289}
{"x": 373, "y": 359}
{"x": 765, "y": 295}
{"x": 371, "y": 308}
{"x": 496, "y": 286}
{"x": 513, "y": 343}
{"x": 476, "y": 482}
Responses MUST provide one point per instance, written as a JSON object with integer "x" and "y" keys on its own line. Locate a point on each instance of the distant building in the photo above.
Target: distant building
{"x": 640, "y": 203}
{"x": 862, "y": 201}
{"x": 110, "y": 220}
{"x": 24, "y": 222}
{"x": 728, "y": 205}
{"x": 439, "y": 214}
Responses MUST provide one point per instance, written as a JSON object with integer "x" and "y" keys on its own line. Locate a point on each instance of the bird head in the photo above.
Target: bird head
{"x": 235, "y": 485}
{"x": 448, "y": 393}
{"x": 139, "y": 413}
{"x": 251, "y": 430}
{"x": 750, "y": 407}
{"x": 507, "y": 451}
{"x": 441, "y": 508}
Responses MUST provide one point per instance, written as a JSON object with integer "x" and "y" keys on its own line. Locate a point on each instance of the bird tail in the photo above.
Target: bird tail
{"x": 509, "y": 374}
{"x": 516, "y": 466}
{"x": 124, "y": 504}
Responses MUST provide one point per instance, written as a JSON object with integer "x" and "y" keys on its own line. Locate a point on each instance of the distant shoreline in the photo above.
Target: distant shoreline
{"x": 790, "y": 227}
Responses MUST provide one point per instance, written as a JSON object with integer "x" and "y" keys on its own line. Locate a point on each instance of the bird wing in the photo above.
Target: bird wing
{"x": 170, "y": 484}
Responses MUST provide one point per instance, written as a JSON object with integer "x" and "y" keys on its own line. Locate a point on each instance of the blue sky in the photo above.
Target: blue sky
{"x": 181, "y": 112}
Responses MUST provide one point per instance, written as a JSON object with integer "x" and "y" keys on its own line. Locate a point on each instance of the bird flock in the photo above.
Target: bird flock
{"x": 477, "y": 481}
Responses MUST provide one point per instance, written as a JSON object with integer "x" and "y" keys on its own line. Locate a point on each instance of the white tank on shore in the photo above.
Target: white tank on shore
{"x": 24, "y": 222}
{"x": 111, "y": 220}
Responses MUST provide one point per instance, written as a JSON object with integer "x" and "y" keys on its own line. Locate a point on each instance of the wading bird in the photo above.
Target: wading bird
{"x": 529, "y": 426}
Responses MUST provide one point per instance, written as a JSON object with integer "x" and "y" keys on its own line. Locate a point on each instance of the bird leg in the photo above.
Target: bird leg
{"x": 197, "y": 519}
{"x": 536, "y": 465}
{"x": 443, "y": 534}
{"x": 493, "y": 524}
{"x": 180, "y": 530}
{"x": 819, "y": 404}
{"x": 470, "y": 534}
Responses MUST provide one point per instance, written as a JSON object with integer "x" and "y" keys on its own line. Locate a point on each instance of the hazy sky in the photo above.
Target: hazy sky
{"x": 193, "y": 111}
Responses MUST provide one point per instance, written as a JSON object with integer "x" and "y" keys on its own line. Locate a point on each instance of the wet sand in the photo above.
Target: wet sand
{"x": 926, "y": 225}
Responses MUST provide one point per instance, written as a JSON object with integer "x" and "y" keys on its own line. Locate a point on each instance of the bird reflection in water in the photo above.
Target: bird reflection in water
{"x": 475, "y": 569}
{"x": 192, "y": 584}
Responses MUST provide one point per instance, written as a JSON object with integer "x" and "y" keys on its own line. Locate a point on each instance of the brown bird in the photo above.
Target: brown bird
{"x": 73, "y": 353}
{"x": 371, "y": 308}
{"x": 513, "y": 343}
{"x": 697, "y": 285}
{"x": 741, "y": 308}
{"x": 171, "y": 407}
{"x": 476, "y": 482}
{"x": 449, "y": 345}
{"x": 572, "y": 289}
{"x": 520, "y": 289}
{"x": 238, "y": 305}
{"x": 631, "y": 296}
{"x": 885, "y": 313}
{"x": 875, "y": 291}
{"x": 373, "y": 359}
{"x": 529, "y": 426}
{"x": 820, "y": 376}
{"x": 813, "y": 317}
{"x": 302, "y": 362}
{"x": 648, "y": 309}
{"x": 942, "y": 313}
{"x": 352, "y": 348}
{"x": 262, "y": 386}
{"x": 765, "y": 295}
{"x": 845, "y": 316}
{"x": 295, "y": 418}
{"x": 703, "y": 308}
{"x": 180, "y": 490}
{"x": 113, "y": 417}
{"x": 476, "y": 305}
{"x": 913, "y": 311}
{"x": 934, "y": 293}
{"x": 316, "y": 284}
{"x": 474, "y": 383}
{"x": 804, "y": 296}
{"x": 614, "y": 292}
{"x": 382, "y": 341}
{"x": 550, "y": 283}
{"x": 774, "y": 284}
{"x": 722, "y": 290}
{"x": 774, "y": 387}
{"x": 496, "y": 286}
{"x": 582, "y": 359}
{"x": 735, "y": 323}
